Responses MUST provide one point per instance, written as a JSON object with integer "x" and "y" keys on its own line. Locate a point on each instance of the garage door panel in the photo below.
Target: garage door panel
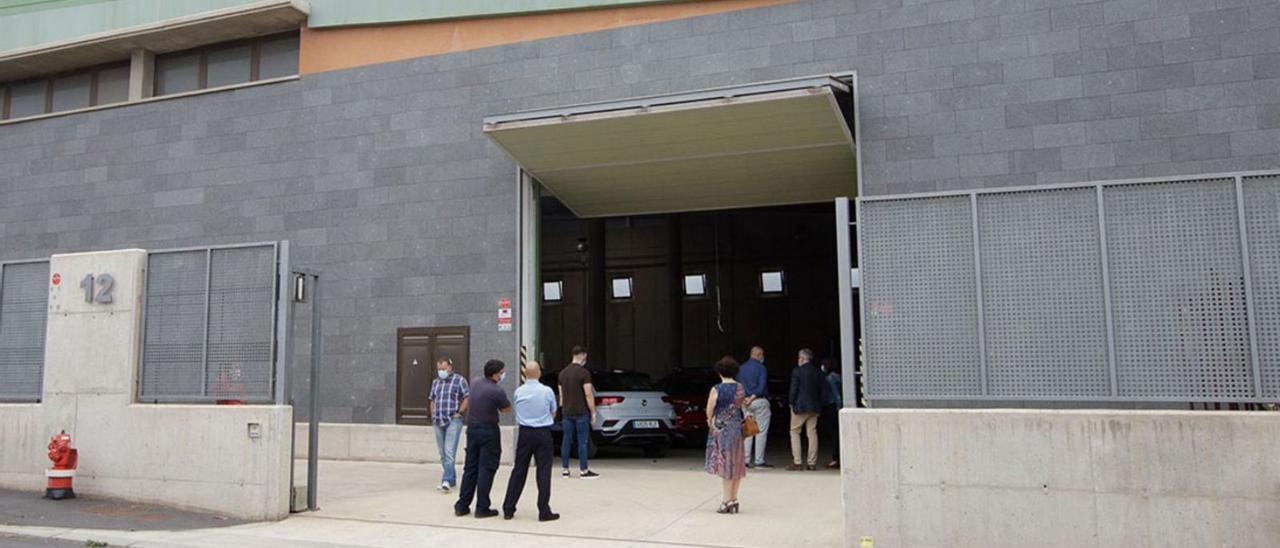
{"x": 788, "y": 123}
{"x": 786, "y": 143}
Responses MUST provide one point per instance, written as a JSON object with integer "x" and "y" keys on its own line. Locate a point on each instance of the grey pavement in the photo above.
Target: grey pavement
{"x": 638, "y": 502}
{"x": 14, "y": 541}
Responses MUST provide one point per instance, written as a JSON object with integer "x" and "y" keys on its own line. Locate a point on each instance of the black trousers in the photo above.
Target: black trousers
{"x": 533, "y": 443}
{"x": 829, "y": 428}
{"x": 484, "y": 448}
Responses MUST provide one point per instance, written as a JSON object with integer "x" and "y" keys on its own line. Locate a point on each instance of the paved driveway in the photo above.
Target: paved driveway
{"x": 638, "y": 502}
{"x": 667, "y": 500}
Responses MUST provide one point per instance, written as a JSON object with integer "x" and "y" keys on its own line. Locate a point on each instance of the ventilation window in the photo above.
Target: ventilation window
{"x": 552, "y": 292}
{"x": 695, "y": 285}
{"x": 622, "y": 288}
{"x": 771, "y": 282}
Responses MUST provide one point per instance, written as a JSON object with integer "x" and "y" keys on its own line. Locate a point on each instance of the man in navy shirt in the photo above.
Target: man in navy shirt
{"x": 484, "y": 447}
{"x": 755, "y": 383}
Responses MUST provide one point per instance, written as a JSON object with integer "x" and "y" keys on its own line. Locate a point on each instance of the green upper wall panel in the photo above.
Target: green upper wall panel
{"x": 27, "y": 23}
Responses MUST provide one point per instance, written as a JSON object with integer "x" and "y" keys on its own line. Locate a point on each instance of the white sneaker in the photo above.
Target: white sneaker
{"x": 444, "y": 487}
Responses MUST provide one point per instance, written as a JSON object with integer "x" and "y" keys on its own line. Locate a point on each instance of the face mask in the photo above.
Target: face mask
{"x": 442, "y": 374}
{"x": 502, "y": 377}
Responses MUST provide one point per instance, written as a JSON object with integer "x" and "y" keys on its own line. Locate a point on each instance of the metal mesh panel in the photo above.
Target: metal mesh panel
{"x": 24, "y": 303}
{"x": 1178, "y": 291}
{"x": 173, "y": 341}
{"x": 1042, "y": 294}
{"x": 241, "y": 303}
{"x": 920, "y": 297}
{"x": 1262, "y": 217}
{"x": 210, "y": 330}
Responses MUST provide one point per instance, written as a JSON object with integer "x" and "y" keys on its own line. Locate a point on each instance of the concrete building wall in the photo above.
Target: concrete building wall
{"x": 382, "y": 179}
{"x": 192, "y": 456}
{"x": 1060, "y": 478}
{"x": 390, "y": 443}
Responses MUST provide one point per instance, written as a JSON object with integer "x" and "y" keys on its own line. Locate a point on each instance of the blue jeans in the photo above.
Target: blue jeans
{"x": 447, "y": 442}
{"x": 578, "y": 426}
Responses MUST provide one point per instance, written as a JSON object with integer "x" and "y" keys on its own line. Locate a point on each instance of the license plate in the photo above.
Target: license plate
{"x": 645, "y": 424}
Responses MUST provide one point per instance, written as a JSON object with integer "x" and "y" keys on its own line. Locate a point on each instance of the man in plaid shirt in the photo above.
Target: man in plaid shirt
{"x": 448, "y": 403}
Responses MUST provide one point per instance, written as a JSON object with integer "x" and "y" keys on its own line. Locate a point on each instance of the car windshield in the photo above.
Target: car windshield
{"x": 621, "y": 382}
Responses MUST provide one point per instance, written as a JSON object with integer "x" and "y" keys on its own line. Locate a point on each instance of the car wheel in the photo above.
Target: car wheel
{"x": 592, "y": 449}
{"x": 657, "y": 450}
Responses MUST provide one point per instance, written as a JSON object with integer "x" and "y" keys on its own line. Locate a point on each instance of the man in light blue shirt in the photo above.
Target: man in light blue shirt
{"x": 535, "y": 405}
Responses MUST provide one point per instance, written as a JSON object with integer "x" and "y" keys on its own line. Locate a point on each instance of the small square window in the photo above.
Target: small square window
{"x": 26, "y": 99}
{"x": 113, "y": 85}
{"x": 552, "y": 292}
{"x": 622, "y": 288}
{"x": 228, "y": 66}
{"x": 771, "y": 282}
{"x": 278, "y": 57}
{"x": 695, "y": 285}
{"x": 72, "y": 92}
{"x": 177, "y": 73}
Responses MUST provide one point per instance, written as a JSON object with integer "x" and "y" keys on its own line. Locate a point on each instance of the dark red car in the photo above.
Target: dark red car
{"x": 687, "y": 391}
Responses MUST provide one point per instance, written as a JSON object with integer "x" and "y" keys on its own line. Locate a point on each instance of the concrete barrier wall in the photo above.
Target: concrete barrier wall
{"x": 1060, "y": 478}
{"x": 389, "y": 443}
{"x": 191, "y": 456}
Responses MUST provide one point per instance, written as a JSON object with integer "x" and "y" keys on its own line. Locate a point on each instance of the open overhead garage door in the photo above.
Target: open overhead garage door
{"x": 785, "y": 142}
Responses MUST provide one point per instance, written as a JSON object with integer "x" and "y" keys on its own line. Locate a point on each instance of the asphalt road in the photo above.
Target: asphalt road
{"x": 28, "y": 508}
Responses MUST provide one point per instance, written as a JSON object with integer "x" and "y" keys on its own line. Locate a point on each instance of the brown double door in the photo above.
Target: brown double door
{"x": 417, "y": 349}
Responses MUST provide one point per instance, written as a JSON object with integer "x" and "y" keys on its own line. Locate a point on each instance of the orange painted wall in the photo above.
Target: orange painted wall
{"x": 340, "y": 48}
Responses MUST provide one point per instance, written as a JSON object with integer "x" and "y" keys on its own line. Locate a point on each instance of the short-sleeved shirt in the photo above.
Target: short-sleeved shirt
{"x": 487, "y": 398}
{"x": 535, "y": 404}
{"x": 574, "y": 398}
{"x": 446, "y": 397}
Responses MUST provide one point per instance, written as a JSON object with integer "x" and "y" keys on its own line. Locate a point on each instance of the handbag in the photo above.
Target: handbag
{"x": 749, "y": 425}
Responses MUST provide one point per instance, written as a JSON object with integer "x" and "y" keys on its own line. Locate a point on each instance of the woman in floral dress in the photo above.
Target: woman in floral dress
{"x": 726, "y": 454}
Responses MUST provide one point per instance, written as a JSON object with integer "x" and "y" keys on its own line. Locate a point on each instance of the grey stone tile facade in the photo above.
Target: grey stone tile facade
{"x": 381, "y": 177}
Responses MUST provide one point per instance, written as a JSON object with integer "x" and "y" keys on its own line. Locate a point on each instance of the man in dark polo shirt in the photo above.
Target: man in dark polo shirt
{"x": 577, "y": 411}
{"x": 484, "y": 446}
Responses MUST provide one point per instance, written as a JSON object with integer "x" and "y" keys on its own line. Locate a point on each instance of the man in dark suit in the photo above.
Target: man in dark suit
{"x": 806, "y": 404}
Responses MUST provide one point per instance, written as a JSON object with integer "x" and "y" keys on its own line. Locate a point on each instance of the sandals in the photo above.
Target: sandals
{"x": 728, "y": 507}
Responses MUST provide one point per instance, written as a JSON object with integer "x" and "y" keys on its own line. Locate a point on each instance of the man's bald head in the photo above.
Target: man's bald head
{"x": 757, "y": 353}
{"x": 532, "y": 370}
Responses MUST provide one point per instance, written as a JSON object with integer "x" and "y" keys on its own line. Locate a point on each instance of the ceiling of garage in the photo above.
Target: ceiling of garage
{"x": 765, "y": 144}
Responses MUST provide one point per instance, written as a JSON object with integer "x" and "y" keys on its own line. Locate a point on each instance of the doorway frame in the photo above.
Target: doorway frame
{"x": 429, "y": 332}
{"x": 529, "y": 231}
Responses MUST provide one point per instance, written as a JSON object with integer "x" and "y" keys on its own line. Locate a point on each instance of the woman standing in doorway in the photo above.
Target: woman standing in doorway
{"x": 726, "y": 454}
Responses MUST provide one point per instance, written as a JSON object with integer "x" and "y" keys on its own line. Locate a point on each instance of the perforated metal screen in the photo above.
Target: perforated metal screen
{"x": 1160, "y": 291}
{"x": 922, "y": 329}
{"x": 24, "y": 302}
{"x": 1042, "y": 280}
{"x": 209, "y": 325}
{"x": 1262, "y": 213}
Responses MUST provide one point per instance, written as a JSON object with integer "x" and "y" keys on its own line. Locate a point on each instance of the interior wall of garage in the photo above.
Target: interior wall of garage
{"x": 731, "y": 248}
{"x": 381, "y": 178}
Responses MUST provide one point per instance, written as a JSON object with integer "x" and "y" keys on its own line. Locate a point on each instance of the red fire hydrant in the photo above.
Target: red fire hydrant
{"x": 64, "y": 459}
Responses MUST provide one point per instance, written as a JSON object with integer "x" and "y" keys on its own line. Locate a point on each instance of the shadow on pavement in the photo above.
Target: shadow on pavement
{"x": 24, "y": 508}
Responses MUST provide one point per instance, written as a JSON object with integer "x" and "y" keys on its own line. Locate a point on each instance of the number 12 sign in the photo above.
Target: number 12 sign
{"x": 97, "y": 289}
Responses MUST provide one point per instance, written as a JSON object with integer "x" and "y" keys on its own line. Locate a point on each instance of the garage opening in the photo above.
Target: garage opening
{"x": 665, "y": 232}
{"x": 666, "y": 295}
